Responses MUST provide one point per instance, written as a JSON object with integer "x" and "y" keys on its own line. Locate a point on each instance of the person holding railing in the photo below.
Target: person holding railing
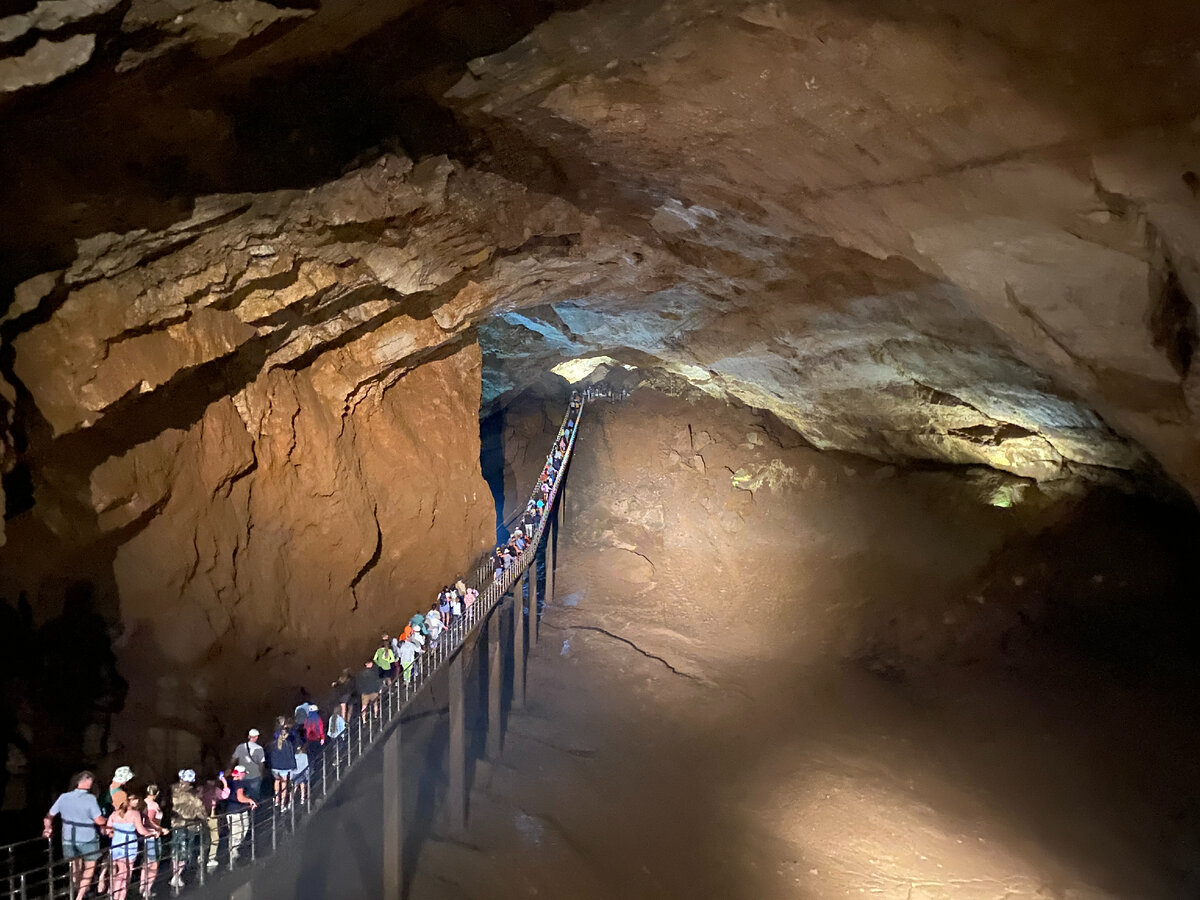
{"x": 152, "y": 816}
{"x": 212, "y": 795}
{"x": 81, "y": 819}
{"x": 251, "y": 756}
{"x": 124, "y": 826}
{"x": 239, "y": 807}
{"x": 187, "y": 820}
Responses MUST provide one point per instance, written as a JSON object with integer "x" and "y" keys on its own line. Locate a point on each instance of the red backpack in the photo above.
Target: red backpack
{"x": 314, "y": 728}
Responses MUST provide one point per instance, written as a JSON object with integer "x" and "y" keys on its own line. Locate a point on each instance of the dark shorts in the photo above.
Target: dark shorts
{"x": 301, "y": 777}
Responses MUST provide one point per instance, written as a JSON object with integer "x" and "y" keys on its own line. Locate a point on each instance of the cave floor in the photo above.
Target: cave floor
{"x": 702, "y": 771}
{"x": 845, "y": 687}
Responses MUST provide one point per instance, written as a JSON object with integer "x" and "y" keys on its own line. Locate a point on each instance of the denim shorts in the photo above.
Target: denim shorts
{"x": 152, "y": 847}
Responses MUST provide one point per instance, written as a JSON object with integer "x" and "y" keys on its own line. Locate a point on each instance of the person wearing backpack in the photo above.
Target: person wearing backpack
{"x": 314, "y": 727}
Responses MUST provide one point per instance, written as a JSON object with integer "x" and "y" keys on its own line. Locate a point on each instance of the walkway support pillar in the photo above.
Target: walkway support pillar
{"x": 458, "y": 755}
{"x": 495, "y": 680}
{"x": 393, "y": 818}
{"x": 519, "y": 644}
{"x": 550, "y": 530}
{"x": 533, "y": 602}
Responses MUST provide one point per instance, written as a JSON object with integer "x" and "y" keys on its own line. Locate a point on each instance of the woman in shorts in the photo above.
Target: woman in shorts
{"x": 152, "y": 818}
{"x": 124, "y": 826}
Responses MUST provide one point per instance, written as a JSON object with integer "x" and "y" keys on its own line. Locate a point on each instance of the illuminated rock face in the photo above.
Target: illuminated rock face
{"x": 947, "y": 236}
{"x": 943, "y": 234}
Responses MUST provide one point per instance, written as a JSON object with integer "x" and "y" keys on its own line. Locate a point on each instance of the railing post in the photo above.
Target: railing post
{"x": 324, "y": 792}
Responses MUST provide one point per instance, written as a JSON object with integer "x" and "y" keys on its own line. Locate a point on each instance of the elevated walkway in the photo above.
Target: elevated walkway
{"x": 36, "y": 869}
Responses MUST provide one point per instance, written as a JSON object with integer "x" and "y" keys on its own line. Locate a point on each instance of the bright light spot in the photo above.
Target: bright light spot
{"x": 574, "y": 370}
{"x": 1007, "y": 495}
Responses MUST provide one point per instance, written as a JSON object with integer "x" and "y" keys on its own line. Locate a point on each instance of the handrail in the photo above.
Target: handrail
{"x": 254, "y": 834}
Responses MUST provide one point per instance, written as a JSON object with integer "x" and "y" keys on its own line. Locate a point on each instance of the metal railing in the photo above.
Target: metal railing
{"x": 194, "y": 853}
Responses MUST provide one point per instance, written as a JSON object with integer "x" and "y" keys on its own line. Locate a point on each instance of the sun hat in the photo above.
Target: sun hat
{"x": 122, "y": 775}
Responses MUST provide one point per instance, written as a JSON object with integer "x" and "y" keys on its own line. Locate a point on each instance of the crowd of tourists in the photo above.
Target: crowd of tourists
{"x": 605, "y": 391}
{"x": 276, "y": 772}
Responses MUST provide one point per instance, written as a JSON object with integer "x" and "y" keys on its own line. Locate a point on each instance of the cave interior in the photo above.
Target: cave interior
{"x": 877, "y": 572}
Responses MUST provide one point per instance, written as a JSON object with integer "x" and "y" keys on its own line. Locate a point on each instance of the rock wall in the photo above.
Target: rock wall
{"x": 266, "y": 546}
{"x": 924, "y": 230}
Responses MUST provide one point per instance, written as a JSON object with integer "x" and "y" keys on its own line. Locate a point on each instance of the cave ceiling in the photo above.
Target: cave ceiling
{"x": 949, "y": 230}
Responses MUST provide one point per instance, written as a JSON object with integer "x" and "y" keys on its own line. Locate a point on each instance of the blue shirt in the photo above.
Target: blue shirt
{"x": 79, "y": 810}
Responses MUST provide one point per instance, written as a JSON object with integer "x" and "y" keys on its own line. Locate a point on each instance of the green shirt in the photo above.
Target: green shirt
{"x": 384, "y": 658}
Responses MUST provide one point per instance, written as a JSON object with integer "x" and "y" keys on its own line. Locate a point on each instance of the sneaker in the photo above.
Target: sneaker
{"x": 177, "y": 881}
{"x": 212, "y": 862}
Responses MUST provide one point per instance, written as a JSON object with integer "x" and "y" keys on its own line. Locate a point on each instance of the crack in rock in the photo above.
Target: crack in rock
{"x": 617, "y": 637}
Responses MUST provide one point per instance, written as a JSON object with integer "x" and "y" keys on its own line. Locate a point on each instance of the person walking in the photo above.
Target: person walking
{"x": 367, "y": 682}
{"x": 300, "y": 776}
{"x": 283, "y": 761}
{"x": 187, "y": 821}
{"x": 152, "y": 816}
{"x": 81, "y": 819}
{"x": 408, "y": 656}
{"x": 251, "y": 756}
{"x": 312, "y": 729}
{"x": 384, "y": 659}
{"x": 337, "y": 725}
{"x": 343, "y": 689}
{"x": 239, "y": 806}
{"x": 214, "y": 792}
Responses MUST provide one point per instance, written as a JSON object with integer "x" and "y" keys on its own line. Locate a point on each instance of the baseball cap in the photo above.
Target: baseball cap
{"x": 239, "y": 770}
{"x": 253, "y": 732}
